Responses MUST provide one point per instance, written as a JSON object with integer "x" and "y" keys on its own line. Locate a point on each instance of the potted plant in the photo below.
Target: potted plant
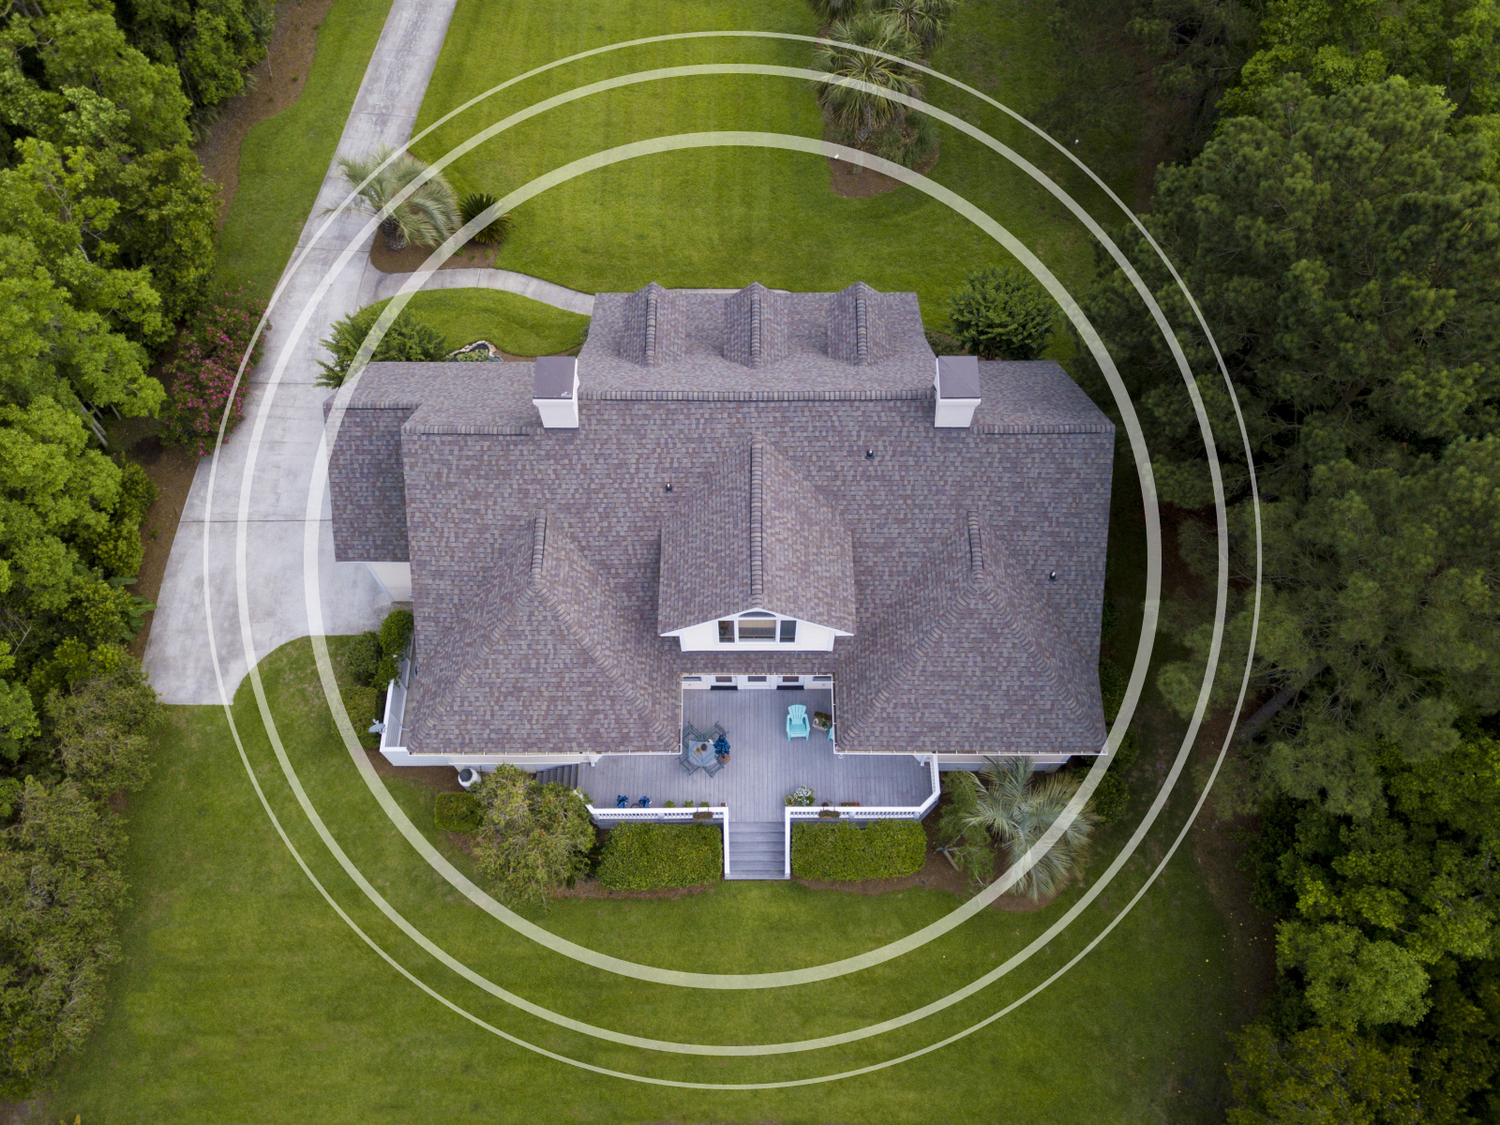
{"x": 802, "y": 796}
{"x": 822, "y": 720}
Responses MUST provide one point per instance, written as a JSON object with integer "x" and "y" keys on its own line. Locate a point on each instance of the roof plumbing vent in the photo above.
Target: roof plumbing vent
{"x": 554, "y": 391}
{"x": 957, "y": 384}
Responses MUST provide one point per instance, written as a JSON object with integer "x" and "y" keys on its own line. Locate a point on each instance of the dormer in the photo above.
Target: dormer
{"x": 755, "y": 558}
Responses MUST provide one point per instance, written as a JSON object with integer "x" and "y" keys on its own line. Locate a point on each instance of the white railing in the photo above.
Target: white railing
{"x": 395, "y": 707}
{"x": 846, "y": 812}
{"x": 719, "y": 815}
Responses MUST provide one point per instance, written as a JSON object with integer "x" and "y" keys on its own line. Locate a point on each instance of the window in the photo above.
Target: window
{"x": 788, "y": 631}
{"x": 726, "y": 632}
{"x": 757, "y": 627}
{"x": 723, "y": 679}
{"x": 791, "y": 679}
{"x": 756, "y": 679}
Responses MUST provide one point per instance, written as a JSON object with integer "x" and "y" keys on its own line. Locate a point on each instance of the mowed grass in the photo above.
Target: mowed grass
{"x": 724, "y": 217}
{"x": 514, "y": 324}
{"x": 244, "y": 996}
{"x": 283, "y": 160}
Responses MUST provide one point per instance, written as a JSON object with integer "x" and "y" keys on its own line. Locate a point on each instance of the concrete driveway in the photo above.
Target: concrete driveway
{"x": 200, "y": 579}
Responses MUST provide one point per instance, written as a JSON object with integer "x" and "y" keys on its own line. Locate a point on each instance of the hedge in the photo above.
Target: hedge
{"x": 458, "y": 812}
{"x": 645, "y": 857}
{"x": 841, "y": 852}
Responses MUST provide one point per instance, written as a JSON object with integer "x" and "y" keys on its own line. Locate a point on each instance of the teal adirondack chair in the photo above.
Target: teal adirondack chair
{"x": 797, "y": 724}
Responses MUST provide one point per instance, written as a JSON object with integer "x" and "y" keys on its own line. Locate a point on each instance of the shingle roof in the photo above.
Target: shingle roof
{"x": 755, "y": 535}
{"x": 968, "y": 656}
{"x": 477, "y": 467}
{"x": 542, "y": 634}
{"x": 898, "y": 359}
{"x": 756, "y": 325}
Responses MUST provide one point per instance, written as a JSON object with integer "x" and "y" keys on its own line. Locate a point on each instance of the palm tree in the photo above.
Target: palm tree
{"x": 855, "y": 113}
{"x": 426, "y": 217}
{"x": 830, "y": 10}
{"x": 1010, "y": 805}
{"x": 924, "y": 20}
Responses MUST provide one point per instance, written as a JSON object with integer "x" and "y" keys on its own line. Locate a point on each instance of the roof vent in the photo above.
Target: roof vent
{"x": 957, "y": 383}
{"x": 554, "y": 391}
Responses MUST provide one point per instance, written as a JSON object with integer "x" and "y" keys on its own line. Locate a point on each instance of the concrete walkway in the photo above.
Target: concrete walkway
{"x": 178, "y": 654}
{"x": 558, "y": 296}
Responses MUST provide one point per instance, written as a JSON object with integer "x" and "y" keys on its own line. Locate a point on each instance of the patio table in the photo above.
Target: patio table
{"x": 702, "y": 756}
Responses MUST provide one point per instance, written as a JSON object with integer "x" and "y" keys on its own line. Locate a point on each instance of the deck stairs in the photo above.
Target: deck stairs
{"x": 561, "y": 775}
{"x": 757, "y": 849}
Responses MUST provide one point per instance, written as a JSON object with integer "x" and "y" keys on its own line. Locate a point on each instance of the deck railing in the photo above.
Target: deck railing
{"x": 720, "y": 816}
{"x": 845, "y": 812}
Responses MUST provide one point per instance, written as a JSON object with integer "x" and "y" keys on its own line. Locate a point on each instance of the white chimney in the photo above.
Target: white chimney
{"x": 554, "y": 391}
{"x": 957, "y": 384}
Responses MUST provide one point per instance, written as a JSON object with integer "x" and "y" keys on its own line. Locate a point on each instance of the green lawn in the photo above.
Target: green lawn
{"x": 244, "y": 997}
{"x": 284, "y": 159}
{"x": 512, "y": 323}
{"x": 726, "y": 217}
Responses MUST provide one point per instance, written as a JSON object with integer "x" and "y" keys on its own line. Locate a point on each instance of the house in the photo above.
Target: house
{"x": 759, "y": 493}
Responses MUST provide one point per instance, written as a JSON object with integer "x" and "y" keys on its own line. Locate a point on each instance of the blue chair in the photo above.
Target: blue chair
{"x": 644, "y": 802}
{"x": 797, "y": 723}
{"x": 621, "y": 801}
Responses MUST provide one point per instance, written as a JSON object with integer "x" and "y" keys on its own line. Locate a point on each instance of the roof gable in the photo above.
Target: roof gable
{"x": 755, "y": 535}
{"x": 542, "y": 633}
{"x": 973, "y": 655}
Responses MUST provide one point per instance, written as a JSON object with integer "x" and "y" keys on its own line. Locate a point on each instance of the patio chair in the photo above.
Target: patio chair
{"x": 713, "y": 767}
{"x": 685, "y": 760}
{"x": 797, "y": 723}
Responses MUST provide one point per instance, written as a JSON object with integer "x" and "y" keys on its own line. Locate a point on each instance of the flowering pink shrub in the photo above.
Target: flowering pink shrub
{"x": 201, "y": 373}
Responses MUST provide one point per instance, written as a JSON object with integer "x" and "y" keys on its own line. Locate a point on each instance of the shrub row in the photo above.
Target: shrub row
{"x": 645, "y": 857}
{"x": 459, "y": 812}
{"x": 841, "y": 852}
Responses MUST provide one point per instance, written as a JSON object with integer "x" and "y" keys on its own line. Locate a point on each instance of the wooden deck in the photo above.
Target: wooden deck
{"x": 763, "y": 765}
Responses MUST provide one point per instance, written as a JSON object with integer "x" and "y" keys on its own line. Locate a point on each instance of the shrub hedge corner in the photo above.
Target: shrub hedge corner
{"x": 458, "y": 812}
{"x": 842, "y": 852}
{"x": 647, "y": 857}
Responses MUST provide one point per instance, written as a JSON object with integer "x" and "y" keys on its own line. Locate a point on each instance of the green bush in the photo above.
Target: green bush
{"x": 497, "y": 231}
{"x": 458, "y": 812}
{"x": 365, "y": 705}
{"x": 1112, "y": 681}
{"x": 1003, "y": 313}
{"x": 360, "y": 657}
{"x": 407, "y": 340}
{"x": 1108, "y": 801}
{"x": 395, "y": 632}
{"x": 884, "y": 849}
{"x": 645, "y": 857}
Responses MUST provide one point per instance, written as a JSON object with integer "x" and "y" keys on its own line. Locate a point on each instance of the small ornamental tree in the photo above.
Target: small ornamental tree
{"x": 1002, "y": 313}
{"x": 202, "y": 373}
{"x": 534, "y": 837}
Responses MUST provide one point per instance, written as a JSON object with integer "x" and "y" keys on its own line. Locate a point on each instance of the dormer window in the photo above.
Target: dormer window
{"x": 757, "y": 626}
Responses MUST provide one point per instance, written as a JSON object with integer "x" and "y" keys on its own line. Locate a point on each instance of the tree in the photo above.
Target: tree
{"x": 64, "y": 318}
{"x": 426, "y": 217}
{"x": 211, "y": 41}
{"x": 104, "y": 728}
{"x": 407, "y": 340}
{"x": 1340, "y": 44}
{"x": 830, "y": 10}
{"x": 1003, "y": 313}
{"x": 535, "y": 837}
{"x": 859, "y": 116}
{"x": 1321, "y": 1075}
{"x": 1007, "y": 804}
{"x": 1342, "y": 247}
{"x": 924, "y": 20}
{"x": 60, "y": 890}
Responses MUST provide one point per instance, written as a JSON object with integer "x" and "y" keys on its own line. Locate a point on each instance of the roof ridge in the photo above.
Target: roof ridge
{"x": 976, "y": 543}
{"x": 538, "y": 549}
{"x": 757, "y": 520}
